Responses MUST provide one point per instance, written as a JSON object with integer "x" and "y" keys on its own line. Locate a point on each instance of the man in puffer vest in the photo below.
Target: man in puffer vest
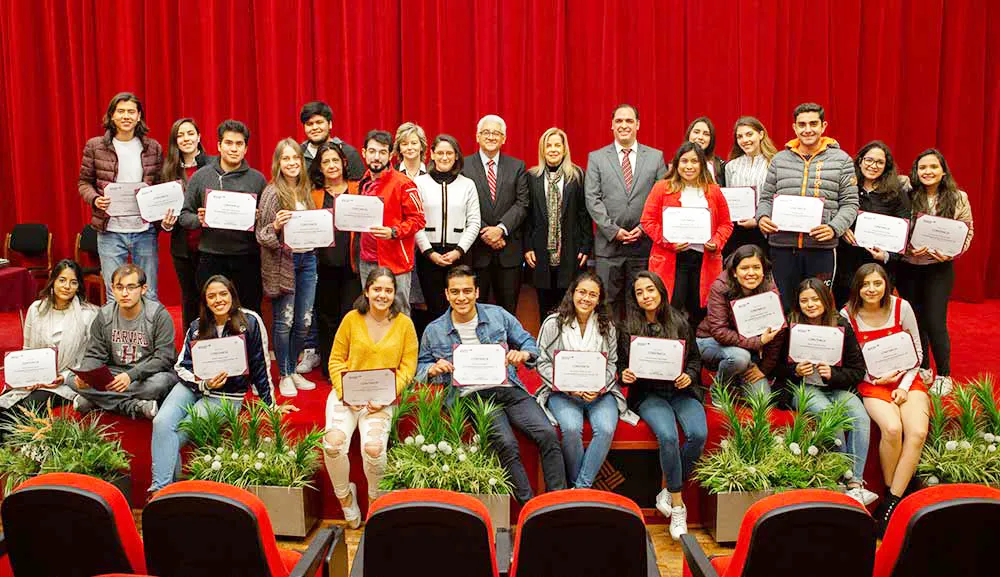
{"x": 811, "y": 165}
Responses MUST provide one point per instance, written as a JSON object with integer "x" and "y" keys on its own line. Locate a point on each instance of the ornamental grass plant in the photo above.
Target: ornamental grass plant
{"x": 37, "y": 441}
{"x": 250, "y": 448}
{"x": 962, "y": 436}
{"x": 754, "y": 457}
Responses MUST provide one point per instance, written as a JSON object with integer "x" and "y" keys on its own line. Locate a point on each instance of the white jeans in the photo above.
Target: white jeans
{"x": 373, "y": 428}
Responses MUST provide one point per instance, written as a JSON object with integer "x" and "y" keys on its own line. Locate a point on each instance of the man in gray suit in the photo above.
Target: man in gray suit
{"x": 619, "y": 178}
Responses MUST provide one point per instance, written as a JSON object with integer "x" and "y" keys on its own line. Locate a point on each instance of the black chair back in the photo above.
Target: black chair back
{"x": 30, "y": 239}
{"x": 951, "y": 538}
{"x": 88, "y": 239}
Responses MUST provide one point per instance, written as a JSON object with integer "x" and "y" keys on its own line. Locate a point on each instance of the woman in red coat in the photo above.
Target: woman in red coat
{"x": 687, "y": 268}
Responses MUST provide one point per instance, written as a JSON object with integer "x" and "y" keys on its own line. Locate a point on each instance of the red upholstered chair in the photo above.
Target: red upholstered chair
{"x": 942, "y": 530}
{"x": 69, "y": 525}
{"x": 583, "y": 533}
{"x": 426, "y": 532}
{"x": 811, "y": 532}
{"x": 206, "y": 529}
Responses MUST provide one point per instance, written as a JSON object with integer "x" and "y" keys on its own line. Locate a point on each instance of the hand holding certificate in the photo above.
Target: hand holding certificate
{"x": 357, "y": 213}
{"x": 155, "y": 201}
{"x": 123, "y": 198}
{"x": 754, "y": 315}
{"x": 797, "y": 213}
{"x": 742, "y": 202}
{"x": 874, "y": 230}
{"x": 230, "y": 210}
{"x": 30, "y": 367}
{"x": 376, "y": 387}
{"x": 579, "y": 371}
{"x": 212, "y": 357}
{"x": 690, "y": 225}
{"x": 944, "y": 235}
{"x": 309, "y": 229}
{"x": 889, "y": 354}
{"x": 817, "y": 344}
{"x": 480, "y": 365}
{"x": 658, "y": 359}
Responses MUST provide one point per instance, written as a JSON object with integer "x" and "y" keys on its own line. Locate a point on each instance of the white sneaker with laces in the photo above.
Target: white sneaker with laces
{"x": 352, "y": 514}
{"x": 862, "y": 495}
{"x": 286, "y": 386}
{"x": 310, "y": 360}
{"x": 678, "y": 522}
{"x": 926, "y": 375}
{"x": 302, "y": 383}
{"x": 663, "y": 502}
{"x": 942, "y": 386}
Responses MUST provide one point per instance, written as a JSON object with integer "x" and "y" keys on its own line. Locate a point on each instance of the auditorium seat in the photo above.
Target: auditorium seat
{"x": 427, "y": 532}
{"x": 69, "y": 525}
{"x": 583, "y": 533}
{"x": 811, "y": 532}
{"x": 942, "y": 530}
{"x": 206, "y": 529}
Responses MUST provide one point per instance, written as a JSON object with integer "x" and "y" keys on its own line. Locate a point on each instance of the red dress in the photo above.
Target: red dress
{"x": 883, "y": 392}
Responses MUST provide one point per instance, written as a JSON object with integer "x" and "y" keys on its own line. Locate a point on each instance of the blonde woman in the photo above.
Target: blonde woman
{"x": 559, "y": 236}
{"x": 749, "y": 158}
{"x": 411, "y": 149}
{"x": 289, "y": 275}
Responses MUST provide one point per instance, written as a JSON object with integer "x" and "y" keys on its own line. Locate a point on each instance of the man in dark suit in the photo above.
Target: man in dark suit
{"x": 619, "y": 178}
{"x": 502, "y": 184}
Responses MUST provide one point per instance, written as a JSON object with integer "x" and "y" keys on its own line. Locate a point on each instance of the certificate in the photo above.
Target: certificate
{"x": 154, "y": 201}
{"x": 816, "y": 344}
{"x": 309, "y": 229}
{"x": 97, "y": 379}
{"x": 658, "y": 359}
{"x": 691, "y": 225}
{"x": 210, "y": 357}
{"x": 357, "y": 213}
{"x": 373, "y": 386}
{"x": 755, "y": 314}
{"x": 874, "y": 230}
{"x": 945, "y": 235}
{"x": 579, "y": 371}
{"x": 123, "y": 199}
{"x": 889, "y": 354}
{"x": 230, "y": 210}
{"x": 742, "y": 202}
{"x": 797, "y": 213}
{"x": 480, "y": 365}
{"x": 30, "y": 367}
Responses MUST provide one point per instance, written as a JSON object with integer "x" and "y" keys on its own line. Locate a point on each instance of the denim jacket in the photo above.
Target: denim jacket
{"x": 496, "y": 326}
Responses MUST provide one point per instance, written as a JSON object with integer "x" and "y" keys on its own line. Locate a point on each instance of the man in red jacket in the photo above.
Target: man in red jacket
{"x": 390, "y": 245}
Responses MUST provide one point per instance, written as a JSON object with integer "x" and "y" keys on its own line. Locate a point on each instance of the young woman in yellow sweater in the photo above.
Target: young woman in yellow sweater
{"x": 372, "y": 336}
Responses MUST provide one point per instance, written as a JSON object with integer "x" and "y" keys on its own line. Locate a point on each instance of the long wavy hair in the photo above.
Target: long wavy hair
{"x": 237, "y": 322}
{"x": 673, "y": 323}
{"x": 172, "y": 162}
{"x": 947, "y": 192}
{"x": 298, "y": 191}
{"x": 829, "y": 317}
{"x": 887, "y": 184}
{"x": 566, "y": 310}
{"x": 675, "y": 183}
{"x": 570, "y": 171}
{"x": 767, "y": 147}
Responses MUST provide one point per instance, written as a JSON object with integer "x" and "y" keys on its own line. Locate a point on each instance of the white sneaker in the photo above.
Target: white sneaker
{"x": 352, "y": 514}
{"x": 862, "y": 495}
{"x": 663, "y": 502}
{"x": 926, "y": 375}
{"x": 310, "y": 360}
{"x": 678, "y": 522}
{"x": 302, "y": 383}
{"x": 287, "y": 387}
{"x": 942, "y": 386}
{"x": 82, "y": 405}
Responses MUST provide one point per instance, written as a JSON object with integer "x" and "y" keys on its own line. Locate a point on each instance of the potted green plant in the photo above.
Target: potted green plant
{"x": 38, "y": 441}
{"x": 962, "y": 442}
{"x": 447, "y": 449}
{"x": 754, "y": 461}
{"x": 253, "y": 449}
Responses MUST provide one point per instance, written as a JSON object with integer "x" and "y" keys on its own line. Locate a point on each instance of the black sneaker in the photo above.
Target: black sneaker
{"x": 890, "y": 502}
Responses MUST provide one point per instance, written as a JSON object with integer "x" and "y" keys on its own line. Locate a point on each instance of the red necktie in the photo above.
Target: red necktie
{"x": 627, "y": 169}
{"x": 491, "y": 178}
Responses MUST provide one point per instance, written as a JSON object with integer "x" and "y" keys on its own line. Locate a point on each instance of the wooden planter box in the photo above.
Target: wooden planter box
{"x": 723, "y": 512}
{"x": 499, "y": 508}
{"x": 293, "y": 511}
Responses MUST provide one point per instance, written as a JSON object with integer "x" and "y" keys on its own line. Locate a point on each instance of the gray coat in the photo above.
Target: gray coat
{"x": 611, "y": 206}
{"x": 829, "y": 174}
{"x": 142, "y": 352}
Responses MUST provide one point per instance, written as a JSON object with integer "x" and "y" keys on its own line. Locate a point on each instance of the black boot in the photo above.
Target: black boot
{"x": 887, "y": 507}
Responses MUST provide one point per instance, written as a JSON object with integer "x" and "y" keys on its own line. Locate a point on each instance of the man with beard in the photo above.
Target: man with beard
{"x": 317, "y": 121}
{"x": 390, "y": 245}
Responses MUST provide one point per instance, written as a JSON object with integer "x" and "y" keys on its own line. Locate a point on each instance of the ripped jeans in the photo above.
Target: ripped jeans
{"x": 293, "y": 314}
{"x": 373, "y": 429}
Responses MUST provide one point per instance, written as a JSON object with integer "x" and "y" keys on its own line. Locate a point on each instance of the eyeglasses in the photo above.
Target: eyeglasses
{"x": 490, "y": 134}
{"x": 872, "y": 162}
{"x": 129, "y": 288}
{"x": 585, "y": 294}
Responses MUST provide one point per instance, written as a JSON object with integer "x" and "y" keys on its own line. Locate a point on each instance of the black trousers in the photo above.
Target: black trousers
{"x": 686, "y": 295}
{"x": 500, "y": 284}
{"x": 928, "y": 289}
{"x": 336, "y": 290}
{"x": 742, "y": 236}
{"x": 186, "y": 268}
{"x": 242, "y": 269}
{"x": 849, "y": 260}
{"x": 794, "y": 265}
{"x": 549, "y": 298}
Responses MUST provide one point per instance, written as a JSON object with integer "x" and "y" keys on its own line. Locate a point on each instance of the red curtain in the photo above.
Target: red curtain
{"x": 914, "y": 73}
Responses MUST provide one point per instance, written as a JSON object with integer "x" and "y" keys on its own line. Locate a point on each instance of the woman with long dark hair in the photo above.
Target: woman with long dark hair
{"x": 701, "y": 131}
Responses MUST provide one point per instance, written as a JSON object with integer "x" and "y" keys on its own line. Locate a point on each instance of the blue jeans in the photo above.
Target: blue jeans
{"x": 114, "y": 248}
{"x": 582, "y": 466}
{"x": 855, "y": 441}
{"x": 662, "y": 413}
{"x": 730, "y": 363}
{"x": 293, "y": 314}
{"x": 167, "y": 440}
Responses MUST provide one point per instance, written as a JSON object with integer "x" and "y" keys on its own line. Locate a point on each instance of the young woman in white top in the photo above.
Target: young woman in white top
{"x": 748, "y": 160}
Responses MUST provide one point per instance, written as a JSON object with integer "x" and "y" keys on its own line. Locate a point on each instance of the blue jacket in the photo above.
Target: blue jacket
{"x": 496, "y": 326}
{"x": 236, "y": 386}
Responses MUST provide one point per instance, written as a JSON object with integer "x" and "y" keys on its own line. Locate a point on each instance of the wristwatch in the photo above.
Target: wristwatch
{"x": 395, "y": 232}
